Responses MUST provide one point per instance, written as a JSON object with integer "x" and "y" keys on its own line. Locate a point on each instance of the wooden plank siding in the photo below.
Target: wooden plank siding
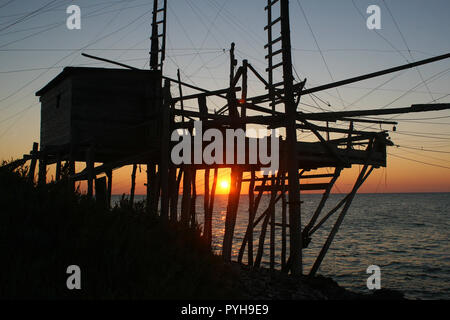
{"x": 108, "y": 108}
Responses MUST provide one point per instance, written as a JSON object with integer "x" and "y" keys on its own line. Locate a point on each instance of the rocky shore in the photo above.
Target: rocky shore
{"x": 262, "y": 284}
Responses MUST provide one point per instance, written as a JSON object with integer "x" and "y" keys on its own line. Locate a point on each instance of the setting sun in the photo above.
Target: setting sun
{"x": 224, "y": 185}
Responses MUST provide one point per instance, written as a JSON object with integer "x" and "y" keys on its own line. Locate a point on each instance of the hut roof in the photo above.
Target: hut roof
{"x": 69, "y": 71}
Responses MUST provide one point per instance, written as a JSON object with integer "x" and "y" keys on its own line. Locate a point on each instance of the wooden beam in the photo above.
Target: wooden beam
{"x": 306, "y": 186}
{"x": 204, "y": 94}
{"x": 330, "y": 116}
{"x": 266, "y": 97}
{"x": 374, "y": 74}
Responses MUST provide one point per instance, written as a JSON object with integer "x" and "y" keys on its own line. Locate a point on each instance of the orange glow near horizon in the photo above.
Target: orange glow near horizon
{"x": 398, "y": 177}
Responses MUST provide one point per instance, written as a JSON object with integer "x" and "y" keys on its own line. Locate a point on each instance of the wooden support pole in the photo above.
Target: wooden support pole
{"x": 109, "y": 190}
{"x": 101, "y": 192}
{"x": 243, "y": 100}
{"x": 192, "y": 212}
{"x": 236, "y": 171}
{"x": 267, "y": 216}
{"x": 173, "y": 193}
{"x": 328, "y": 132}
{"x": 149, "y": 203}
{"x": 33, "y": 162}
{"x": 208, "y": 222}
{"x": 133, "y": 184}
{"x": 156, "y": 189}
{"x": 58, "y": 167}
{"x": 176, "y": 191}
{"x": 250, "y": 227}
{"x": 72, "y": 170}
{"x": 291, "y": 140}
{"x": 233, "y": 62}
{"x": 251, "y": 217}
{"x": 322, "y": 202}
{"x": 332, "y": 211}
{"x": 339, "y": 220}
{"x": 152, "y": 188}
{"x": 186, "y": 198}
{"x": 207, "y": 219}
{"x": 232, "y": 207}
{"x": 164, "y": 163}
{"x": 272, "y": 232}
{"x": 154, "y": 52}
{"x": 283, "y": 225}
{"x": 42, "y": 175}
{"x": 180, "y": 91}
{"x": 90, "y": 171}
{"x": 262, "y": 237}
{"x": 349, "y": 137}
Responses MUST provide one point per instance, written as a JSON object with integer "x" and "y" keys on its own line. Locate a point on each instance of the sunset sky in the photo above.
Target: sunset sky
{"x": 331, "y": 44}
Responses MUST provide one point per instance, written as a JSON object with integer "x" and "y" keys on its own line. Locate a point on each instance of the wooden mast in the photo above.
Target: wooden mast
{"x": 291, "y": 140}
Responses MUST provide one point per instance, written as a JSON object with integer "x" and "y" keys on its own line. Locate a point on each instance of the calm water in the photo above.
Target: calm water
{"x": 406, "y": 235}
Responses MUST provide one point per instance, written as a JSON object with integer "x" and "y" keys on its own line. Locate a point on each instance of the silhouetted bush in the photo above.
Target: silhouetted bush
{"x": 123, "y": 253}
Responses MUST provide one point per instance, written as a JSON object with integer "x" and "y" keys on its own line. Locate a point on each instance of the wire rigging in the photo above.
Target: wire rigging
{"x": 407, "y": 47}
{"x": 320, "y": 50}
{"x": 27, "y": 16}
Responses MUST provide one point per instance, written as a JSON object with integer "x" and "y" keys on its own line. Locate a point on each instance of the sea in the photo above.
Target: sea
{"x": 405, "y": 235}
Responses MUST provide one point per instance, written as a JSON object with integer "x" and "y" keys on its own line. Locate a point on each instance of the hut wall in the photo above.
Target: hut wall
{"x": 56, "y": 115}
{"x": 106, "y": 108}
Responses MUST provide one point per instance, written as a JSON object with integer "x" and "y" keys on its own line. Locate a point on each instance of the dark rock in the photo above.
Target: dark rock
{"x": 387, "y": 294}
{"x": 263, "y": 284}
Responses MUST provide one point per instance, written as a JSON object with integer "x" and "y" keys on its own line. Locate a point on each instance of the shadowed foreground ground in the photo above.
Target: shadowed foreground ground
{"x": 123, "y": 253}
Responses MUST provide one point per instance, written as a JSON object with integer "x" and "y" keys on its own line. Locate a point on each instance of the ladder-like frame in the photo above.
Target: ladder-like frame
{"x": 158, "y": 48}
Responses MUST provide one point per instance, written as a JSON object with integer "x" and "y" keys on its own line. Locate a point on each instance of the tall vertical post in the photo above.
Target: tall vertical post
{"x": 208, "y": 222}
{"x": 186, "y": 198}
{"x": 180, "y": 91}
{"x": 192, "y": 212}
{"x": 291, "y": 141}
{"x": 109, "y": 191}
{"x": 150, "y": 175}
{"x": 236, "y": 170}
{"x": 58, "y": 167}
{"x": 164, "y": 163}
{"x": 251, "y": 217}
{"x": 244, "y": 89}
{"x": 90, "y": 171}
{"x": 206, "y": 204}
{"x": 233, "y": 63}
{"x": 173, "y": 192}
{"x": 133, "y": 184}
{"x": 157, "y": 54}
{"x": 34, "y": 152}
{"x": 42, "y": 175}
{"x": 154, "y": 38}
{"x": 72, "y": 169}
{"x": 101, "y": 192}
